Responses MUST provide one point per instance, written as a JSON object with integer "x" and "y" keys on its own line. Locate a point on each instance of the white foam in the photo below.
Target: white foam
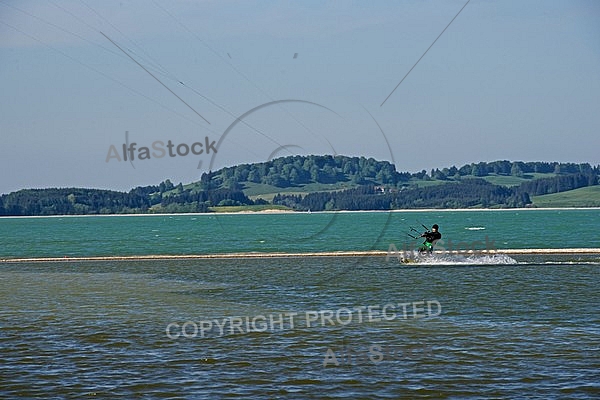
{"x": 451, "y": 259}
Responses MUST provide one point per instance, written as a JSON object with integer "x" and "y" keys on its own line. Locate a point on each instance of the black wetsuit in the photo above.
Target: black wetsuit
{"x": 430, "y": 238}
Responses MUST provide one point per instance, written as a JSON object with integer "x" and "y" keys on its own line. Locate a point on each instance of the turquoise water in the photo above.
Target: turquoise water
{"x": 113, "y": 329}
{"x": 316, "y": 232}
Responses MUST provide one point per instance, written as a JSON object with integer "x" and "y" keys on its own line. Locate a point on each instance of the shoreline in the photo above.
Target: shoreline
{"x": 275, "y": 211}
{"x": 255, "y": 255}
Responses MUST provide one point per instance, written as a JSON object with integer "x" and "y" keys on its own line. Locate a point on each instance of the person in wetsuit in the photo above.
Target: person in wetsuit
{"x": 430, "y": 239}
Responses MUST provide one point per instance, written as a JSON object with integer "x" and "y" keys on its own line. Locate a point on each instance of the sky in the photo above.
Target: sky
{"x": 249, "y": 81}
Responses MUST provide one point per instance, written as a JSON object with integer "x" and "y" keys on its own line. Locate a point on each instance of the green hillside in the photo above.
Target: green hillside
{"x": 267, "y": 192}
{"x": 510, "y": 180}
{"x": 582, "y": 197}
{"x": 327, "y": 182}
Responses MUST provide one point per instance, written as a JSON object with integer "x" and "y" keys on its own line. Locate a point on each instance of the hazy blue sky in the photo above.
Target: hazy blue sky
{"x": 516, "y": 80}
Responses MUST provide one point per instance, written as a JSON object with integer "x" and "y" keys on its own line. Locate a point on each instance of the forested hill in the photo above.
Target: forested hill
{"x": 320, "y": 183}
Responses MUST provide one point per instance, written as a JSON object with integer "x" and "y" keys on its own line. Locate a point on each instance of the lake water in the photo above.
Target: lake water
{"x": 292, "y": 232}
{"x": 514, "y": 326}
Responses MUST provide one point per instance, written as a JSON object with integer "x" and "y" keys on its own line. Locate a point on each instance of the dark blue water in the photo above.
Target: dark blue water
{"x": 99, "y": 329}
{"x": 362, "y": 326}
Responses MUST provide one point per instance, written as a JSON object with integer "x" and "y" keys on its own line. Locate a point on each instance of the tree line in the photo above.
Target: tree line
{"x": 465, "y": 194}
{"x": 377, "y": 186}
{"x": 293, "y": 171}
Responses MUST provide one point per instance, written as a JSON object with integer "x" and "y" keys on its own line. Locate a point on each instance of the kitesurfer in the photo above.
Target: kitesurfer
{"x": 431, "y": 238}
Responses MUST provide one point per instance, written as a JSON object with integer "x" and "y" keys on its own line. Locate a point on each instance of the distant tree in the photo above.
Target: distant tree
{"x": 165, "y": 186}
{"x": 465, "y": 170}
{"x": 439, "y": 175}
{"x": 479, "y": 169}
{"x": 516, "y": 170}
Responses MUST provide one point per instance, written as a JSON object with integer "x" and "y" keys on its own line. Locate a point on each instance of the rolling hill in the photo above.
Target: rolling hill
{"x": 325, "y": 182}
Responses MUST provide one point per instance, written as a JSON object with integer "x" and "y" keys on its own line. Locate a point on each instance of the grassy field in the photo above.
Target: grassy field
{"x": 502, "y": 180}
{"x": 505, "y": 180}
{"x": 509, "y": 180}
{"x": 423, "y": 183}
{"x": 582, "y": 197}
{"x": 254, "y": 189}
{"x": 267, "y": 192}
